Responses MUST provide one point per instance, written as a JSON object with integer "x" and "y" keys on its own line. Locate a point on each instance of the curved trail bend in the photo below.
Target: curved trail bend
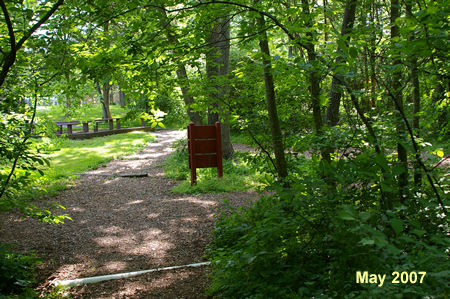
{"x": 124, "y": 224}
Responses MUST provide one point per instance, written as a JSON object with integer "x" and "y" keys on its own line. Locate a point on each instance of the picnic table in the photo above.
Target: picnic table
{"x": 69, "y": 125}
{"x": 110, "y": 121}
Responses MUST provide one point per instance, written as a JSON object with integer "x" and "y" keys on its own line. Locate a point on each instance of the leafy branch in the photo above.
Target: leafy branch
{"x": 10, "y": 58}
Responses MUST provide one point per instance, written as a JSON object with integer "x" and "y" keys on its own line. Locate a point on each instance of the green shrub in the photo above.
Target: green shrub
{"x": 16, "y": 272}
{"x": 303, "y": 243}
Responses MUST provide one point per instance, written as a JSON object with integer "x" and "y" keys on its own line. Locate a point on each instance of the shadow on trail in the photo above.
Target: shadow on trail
{"x": 122, "y": 225}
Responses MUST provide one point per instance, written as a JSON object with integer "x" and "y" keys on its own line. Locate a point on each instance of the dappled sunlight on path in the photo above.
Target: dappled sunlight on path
{"x": 123, "y": 224}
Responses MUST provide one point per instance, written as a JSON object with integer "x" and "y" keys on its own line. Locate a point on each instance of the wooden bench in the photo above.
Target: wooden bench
{"x": 86, "y": 126}
{"x": 110, "y": 121}
{"x": 69, "y": 125}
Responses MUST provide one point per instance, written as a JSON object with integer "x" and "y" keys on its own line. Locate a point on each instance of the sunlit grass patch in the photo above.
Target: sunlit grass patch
{"x": 213, "y": 184}
{"x": 238, "y": 175}
{"x": 87, "y": 112}
{"x": 68, "y": 157}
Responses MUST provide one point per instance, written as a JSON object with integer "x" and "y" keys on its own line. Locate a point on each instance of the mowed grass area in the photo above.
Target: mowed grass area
{"x": 87, "y": 112}
{"x": 68, "y": 157}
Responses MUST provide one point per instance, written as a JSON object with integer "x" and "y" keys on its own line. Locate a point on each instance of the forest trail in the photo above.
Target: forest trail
{"x": 124, "y": 224}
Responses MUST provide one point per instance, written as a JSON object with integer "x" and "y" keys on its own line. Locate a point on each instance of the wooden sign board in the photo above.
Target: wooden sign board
{"x": 205, "y": 148}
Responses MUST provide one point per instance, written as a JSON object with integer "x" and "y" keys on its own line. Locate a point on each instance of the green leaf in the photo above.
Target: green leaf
{"x": 342, "y": 46}
{"x": 397, "y": 225}
{"x": 367, "y": 241}
{"x": 381, "y": 161}
{"x": 353, "y": 52}
{"x": 418, "y": 232}
{"x": 380, "y": 239}
{"x": 347, "y": 213}
{"x": 344, "y": 215}
{"x": 364, "y": 216}
{"x": 394, "y": 250}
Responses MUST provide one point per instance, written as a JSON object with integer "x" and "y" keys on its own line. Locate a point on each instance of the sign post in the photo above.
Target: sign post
{"x": 205, "y": 148}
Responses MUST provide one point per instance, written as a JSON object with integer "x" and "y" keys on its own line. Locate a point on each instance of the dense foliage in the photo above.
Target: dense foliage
{"x": 348, "y": 102}
{"x": 304, "y": 242}
{"x": 16, "y": 272}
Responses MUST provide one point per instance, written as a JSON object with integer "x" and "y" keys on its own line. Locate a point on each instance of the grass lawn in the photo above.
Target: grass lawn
{"x": 71, "y": 156}
{"x": 51, "y": 114}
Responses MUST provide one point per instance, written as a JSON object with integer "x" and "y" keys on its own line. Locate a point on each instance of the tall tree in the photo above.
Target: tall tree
{"x": 277, "y": 138}
{"x": 181, "y": 72}
{"x": 314, "y": 77}
{"x": 217, "y": 71}
{"x": 397, "y": 99}
{"x": 332, "y": 116}
{"x": 213, "y": 59}
{"x": 414, "y": 75}
{"x": 104, "y": 92}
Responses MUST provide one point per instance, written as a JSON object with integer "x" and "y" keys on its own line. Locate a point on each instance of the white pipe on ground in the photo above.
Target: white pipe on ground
{"x": 94, "y": 279}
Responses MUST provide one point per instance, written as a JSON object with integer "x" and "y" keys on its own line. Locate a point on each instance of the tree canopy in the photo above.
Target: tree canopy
{"x": 359, "y": 87}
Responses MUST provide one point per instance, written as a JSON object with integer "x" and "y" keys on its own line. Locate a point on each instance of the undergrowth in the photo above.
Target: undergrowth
{"x": 305, "y": 242}
{"x": 17, "y": 274}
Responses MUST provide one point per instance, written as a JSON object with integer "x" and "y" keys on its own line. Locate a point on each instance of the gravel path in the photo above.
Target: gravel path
{"x": 123, "y": 224}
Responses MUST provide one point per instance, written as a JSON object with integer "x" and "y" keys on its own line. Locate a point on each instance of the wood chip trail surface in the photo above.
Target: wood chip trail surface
{"x": 123, "y": 224}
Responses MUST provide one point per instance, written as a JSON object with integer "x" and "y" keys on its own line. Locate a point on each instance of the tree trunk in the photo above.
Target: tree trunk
{"x": 213, "y": 115}
{"x": 371, "y": 51}
{"x": 224, "y": 88}
{"x": 314, "y": 85}
{"x": 314, "y": 78}
{"x": 106, "y": 88}
{"x": 415, "y": 98}
{"x": 398, "y": 106}
{"x": 314, "y": 81}
{"x": 217, "y": 70}
{"x": 332, "y": 116}
{"x": 104, "y": 98}
{"x": 182, "y": 76}
{"x": 122, "y": 99}
{"x": 212, "y": 71}
{"x": 183, "y": 80}
{"x": 325, "y": 32}
{"x": 277, "y": 140}
{"x": 438, "y": 96}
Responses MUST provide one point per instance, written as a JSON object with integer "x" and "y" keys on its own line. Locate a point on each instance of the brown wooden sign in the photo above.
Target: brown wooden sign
{"x": 205, "y": 148}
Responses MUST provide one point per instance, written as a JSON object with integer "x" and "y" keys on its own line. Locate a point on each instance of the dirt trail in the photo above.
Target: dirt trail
{"x": 123, "y": 224}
